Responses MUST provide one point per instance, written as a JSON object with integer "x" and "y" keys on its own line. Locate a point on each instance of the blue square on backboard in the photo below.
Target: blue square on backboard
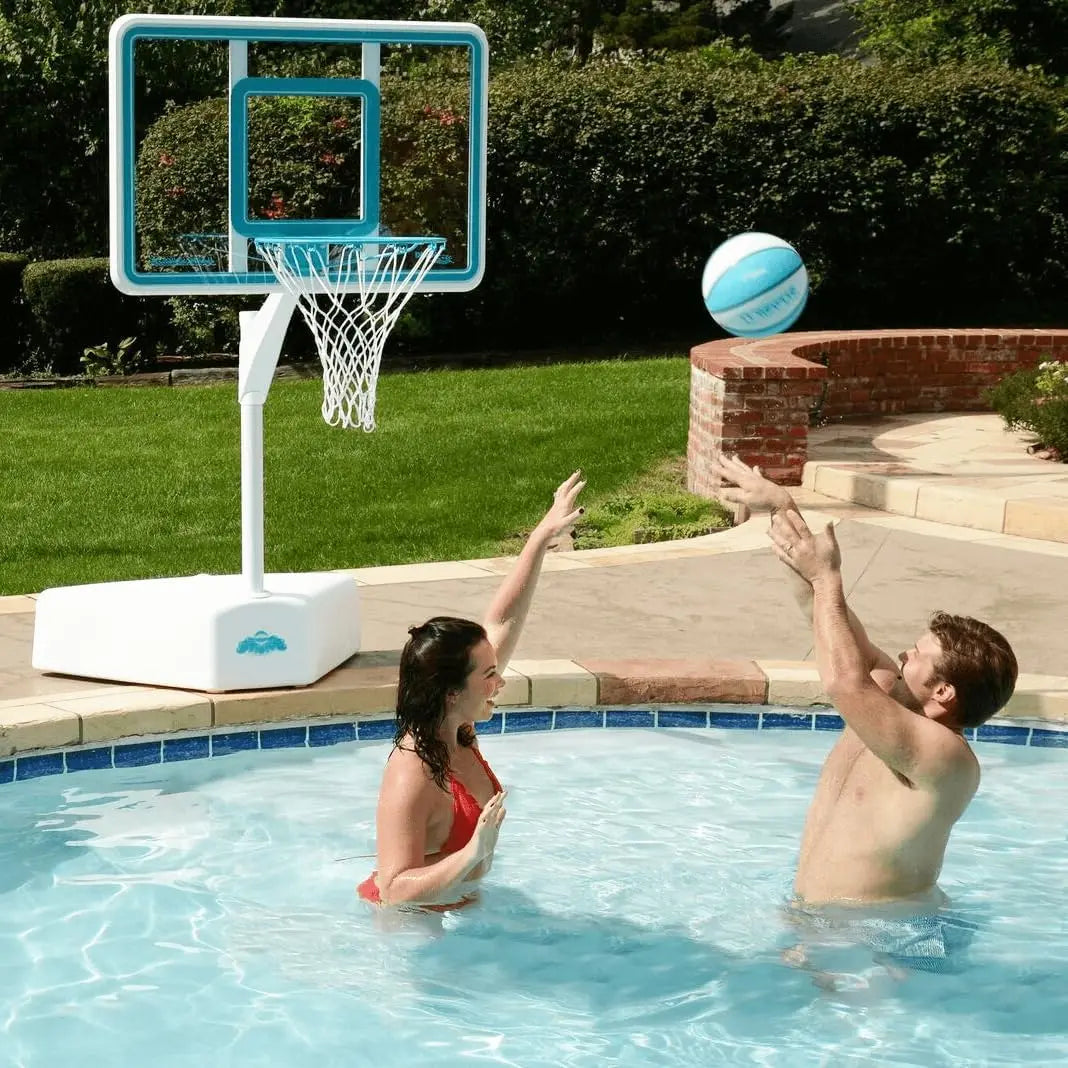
{"x": 375, "y": 728}
{"x": 527, "y": 721}
{"x": 88, "y": 759}
{"x": 999, "y": 732}
{"x": 331, "y": 733}
{"x": 827, "y": 722}
{"x": 234, "y": 742}
{"x": 7, "y": 771}
{"x": 681, "y": 717}
{"x": 578, "y": 717}
{"x": 786, "y": 721}
{"x": 743, "y": 721}
{"x": 1048, "y": 739}
{"x": 284, "y": 738}
{"x": 137, "y": 754}
{"x": 367, "y": 92}
{"x": 186, "y": 748}
{"x": 494, "y": 725}
{"x": 32, "y": 767}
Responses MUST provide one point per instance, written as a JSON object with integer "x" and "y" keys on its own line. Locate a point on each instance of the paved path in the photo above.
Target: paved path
{"x": 963, "y": 470}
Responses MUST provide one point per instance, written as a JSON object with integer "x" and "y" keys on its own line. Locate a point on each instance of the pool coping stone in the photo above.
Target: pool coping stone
{"x": 364, "y": 692}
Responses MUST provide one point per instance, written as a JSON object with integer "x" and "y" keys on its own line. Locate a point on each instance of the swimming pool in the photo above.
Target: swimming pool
{"x": 202, "y": 912}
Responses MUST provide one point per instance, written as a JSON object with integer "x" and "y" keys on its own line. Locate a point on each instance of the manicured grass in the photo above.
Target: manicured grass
{"x": 652, "y": 506}
{"x": 99, "y": 484}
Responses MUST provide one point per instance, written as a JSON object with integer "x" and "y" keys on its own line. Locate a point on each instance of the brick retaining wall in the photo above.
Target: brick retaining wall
{"x": 754, "y": 398}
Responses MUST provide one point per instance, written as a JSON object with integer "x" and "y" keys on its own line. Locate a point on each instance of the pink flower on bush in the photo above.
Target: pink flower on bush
{"x": 175, "y": 191}
{"x": 339, "y": 123}
{"x": 166, "y": 159}
{"x": 277, "y": 209}
{"x": 445, "y": 116}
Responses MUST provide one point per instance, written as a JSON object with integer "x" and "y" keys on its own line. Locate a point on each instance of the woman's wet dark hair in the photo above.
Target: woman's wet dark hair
{"x": 435, "y": 661}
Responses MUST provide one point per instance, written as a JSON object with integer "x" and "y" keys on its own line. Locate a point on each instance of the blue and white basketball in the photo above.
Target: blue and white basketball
{"x": 755, "y": 285}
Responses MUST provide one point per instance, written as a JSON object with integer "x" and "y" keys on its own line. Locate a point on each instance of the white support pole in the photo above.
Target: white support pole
{"x": 371, "y": 69}
{"x": 237, "y": 243}
{"x": 252, "y": 497}
{"x": 262, "y": 334}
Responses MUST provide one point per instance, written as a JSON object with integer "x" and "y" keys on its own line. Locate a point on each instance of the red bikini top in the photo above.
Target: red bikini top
{"x": 465, "y": 809}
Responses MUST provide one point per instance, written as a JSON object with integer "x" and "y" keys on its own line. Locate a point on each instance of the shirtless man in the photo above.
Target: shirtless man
{"x": 902, "y": 773}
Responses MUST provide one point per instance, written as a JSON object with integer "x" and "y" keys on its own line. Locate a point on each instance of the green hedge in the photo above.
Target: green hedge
{"x": 12, "y": 311}
{"x": 933, "y": 198}
{"x": 919, "y": 198}
{"x": 73, "y": 305}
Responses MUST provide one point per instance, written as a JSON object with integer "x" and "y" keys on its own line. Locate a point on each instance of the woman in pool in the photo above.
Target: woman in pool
{"x": 440, "y": 807}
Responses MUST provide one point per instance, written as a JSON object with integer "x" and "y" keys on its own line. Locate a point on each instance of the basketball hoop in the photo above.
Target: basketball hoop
{"x": 378, "y": 275}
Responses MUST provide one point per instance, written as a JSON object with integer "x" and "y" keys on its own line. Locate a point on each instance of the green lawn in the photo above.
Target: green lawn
{"x": 99, "y": 484}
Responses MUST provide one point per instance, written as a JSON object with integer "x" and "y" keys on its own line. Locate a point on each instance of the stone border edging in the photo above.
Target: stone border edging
{"x": 928, "y": 497}
{"x": 367, "y": 690}
{"x": 202, "y": 376}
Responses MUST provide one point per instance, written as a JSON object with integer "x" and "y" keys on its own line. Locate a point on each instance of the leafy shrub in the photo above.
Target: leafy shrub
{"x": 1036, "y": 400}
{"x": 1019, "y": 34}
{"x": 610, "y": 185}
{"x": 73, "y": 306}
{"x": 125, "y": 358}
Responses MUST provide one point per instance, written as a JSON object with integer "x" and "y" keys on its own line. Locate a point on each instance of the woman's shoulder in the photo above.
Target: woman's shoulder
{"x": 406, "y": 770}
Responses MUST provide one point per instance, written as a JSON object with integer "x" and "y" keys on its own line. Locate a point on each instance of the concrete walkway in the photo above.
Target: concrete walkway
{"x": 704, "y": 619}
{"x": 964, "y": 470}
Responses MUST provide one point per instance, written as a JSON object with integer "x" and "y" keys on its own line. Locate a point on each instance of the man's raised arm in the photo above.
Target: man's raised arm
{"x": 908, "y": 743}
{"x": 755, "y": 491}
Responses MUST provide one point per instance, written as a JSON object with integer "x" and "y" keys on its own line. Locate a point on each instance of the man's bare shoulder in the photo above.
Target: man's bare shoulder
{"x": 947, "y": 762}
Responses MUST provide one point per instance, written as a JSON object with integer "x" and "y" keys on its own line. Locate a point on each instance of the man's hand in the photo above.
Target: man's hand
{"x": 812, "y": 556}
{"x": 751, "y": 487}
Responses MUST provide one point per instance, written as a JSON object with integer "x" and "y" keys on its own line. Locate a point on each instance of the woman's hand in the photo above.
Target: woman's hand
{"x": 484, "y": 840}
{"x": 563, "y": 514}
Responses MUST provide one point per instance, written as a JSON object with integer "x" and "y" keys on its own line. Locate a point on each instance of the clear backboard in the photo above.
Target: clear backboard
{"x": 228, "y": 131}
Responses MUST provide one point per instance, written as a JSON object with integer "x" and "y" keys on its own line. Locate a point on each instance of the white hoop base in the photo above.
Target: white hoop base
{"x": 203, "y": 632}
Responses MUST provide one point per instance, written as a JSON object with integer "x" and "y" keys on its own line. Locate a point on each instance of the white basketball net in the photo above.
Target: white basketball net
{"x": 350, "y": 294}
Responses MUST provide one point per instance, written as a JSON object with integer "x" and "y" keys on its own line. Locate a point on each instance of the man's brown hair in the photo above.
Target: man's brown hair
{"x": 977, "y": 662}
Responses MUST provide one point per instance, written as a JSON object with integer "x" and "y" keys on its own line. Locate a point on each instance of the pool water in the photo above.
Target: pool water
{"x": 203, "y": 913}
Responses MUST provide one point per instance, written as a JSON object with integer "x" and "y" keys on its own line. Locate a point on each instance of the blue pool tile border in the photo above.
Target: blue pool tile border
{"x": 1045, "y": 738}
{"x": 331, "y": 733}
{"x": 92, "y": 759}
{"x": 787, "y": 721}
{"x": 137, "y": 754}
{"x": 33, "y": 767}
{"x": 374, "y": 729}
{"x": 569, "y": 718}
{"x": 520, "y": 719}
{"x": 531, "y": 720}
{"x": 185, "y": 748}
{"x": 738, "y": 721}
